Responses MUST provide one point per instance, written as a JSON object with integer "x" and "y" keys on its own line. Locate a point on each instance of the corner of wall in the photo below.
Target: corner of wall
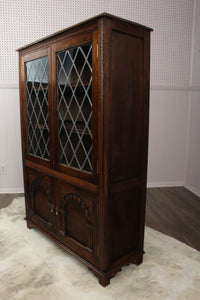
{"x": 192, "y": 167}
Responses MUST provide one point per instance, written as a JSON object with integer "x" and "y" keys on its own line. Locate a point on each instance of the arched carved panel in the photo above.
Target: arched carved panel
{"x": 40, "y": 183}
{"x": 76, "y": 219}
{"x": 41, "y": 200}
{"x": 73, "y": 198}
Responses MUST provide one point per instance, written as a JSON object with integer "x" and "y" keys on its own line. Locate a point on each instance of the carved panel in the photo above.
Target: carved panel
{"x": 40, "y": 183}
{"x": 76, "y": 220}
{"x": 70, "y": 197}
{"x": 41, "y": 200}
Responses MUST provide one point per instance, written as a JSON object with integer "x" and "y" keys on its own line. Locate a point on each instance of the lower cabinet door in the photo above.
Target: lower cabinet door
{"x": 40, "y": 204}
{"x": 76, "y": 219}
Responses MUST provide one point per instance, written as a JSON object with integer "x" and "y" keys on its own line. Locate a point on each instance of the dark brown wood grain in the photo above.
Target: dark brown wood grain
{"x": 127, "y": 100}
{"x": 98, "y": 216}
{"x": 76, "y": 40}
{"x": 81, "y": 25}
{"x": 125, "y": 220}
{"x": 174, "y": 211}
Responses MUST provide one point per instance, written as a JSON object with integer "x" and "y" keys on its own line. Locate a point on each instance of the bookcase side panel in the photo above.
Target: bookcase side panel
{"x": 127, "y": 105}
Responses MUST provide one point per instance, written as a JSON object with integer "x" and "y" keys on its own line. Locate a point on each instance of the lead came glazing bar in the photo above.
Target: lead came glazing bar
{"x": 37, "y": 107}
{"x": 74, "y": 107}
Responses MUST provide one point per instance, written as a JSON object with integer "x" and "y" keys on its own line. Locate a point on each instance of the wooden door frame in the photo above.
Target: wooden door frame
{"x": 75, "y": 40}
{"x": 24, "y": 59}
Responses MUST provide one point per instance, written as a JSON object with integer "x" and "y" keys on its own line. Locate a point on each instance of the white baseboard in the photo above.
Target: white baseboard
{"x": 165, "y": 184}
{"x": 11, "y": 190}
{"x": 174, "y": 183}
{"x": 9, "y": 85}
{"x": 192, "y": 189}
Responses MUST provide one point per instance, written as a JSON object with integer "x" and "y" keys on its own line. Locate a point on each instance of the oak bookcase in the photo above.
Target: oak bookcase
{"x": 84, "y": 95}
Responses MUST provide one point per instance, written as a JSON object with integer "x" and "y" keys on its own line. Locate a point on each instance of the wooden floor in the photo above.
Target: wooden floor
{"x": 174, "y": 211}
{"x": 6, "y": 199}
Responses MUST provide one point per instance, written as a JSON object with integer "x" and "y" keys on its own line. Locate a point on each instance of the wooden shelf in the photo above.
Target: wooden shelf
{"x": 79, "y": 127}
{"x": 73, "y": 84}
{"x": 37, "y": 86}
{"x": 41, "y": 126}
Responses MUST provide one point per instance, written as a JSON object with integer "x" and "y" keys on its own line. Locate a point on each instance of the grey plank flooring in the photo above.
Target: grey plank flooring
{"x": 175, "y": 211}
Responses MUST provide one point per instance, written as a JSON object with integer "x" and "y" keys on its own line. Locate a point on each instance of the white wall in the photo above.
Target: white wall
{"x": 192, "y": 180}
{"x": 167, "y": 137}
{"x": 22, "y": 22}
{"x": 10, "y": 149}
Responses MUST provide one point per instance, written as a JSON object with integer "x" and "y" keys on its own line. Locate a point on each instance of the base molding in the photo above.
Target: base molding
{"x": 11, "y": 190}
{"x": 192, "y": 189}
{"x": 164, "y": 184}
{"x": 103, "y": 277}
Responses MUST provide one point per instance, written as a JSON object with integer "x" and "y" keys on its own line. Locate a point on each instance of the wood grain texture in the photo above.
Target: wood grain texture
{"x": 127, "y": 101}
{"x": 174, "y": 211}
{"x": 114, "y": 193}
{"x": 81, "y": 24}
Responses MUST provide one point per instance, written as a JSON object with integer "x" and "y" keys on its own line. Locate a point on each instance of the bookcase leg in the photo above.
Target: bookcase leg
{"x": 139, "y": 260}
{"x": 104, "y": 281}
{"x": 29, "y": 225}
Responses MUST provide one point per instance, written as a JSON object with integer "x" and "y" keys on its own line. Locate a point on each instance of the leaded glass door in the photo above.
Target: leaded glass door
{"x": 76, "y": 107}
{"x": 36, "y": 106}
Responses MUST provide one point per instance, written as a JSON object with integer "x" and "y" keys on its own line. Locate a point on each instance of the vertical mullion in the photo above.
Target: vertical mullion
{"x": 94, "y": 121}
{"x": 54, "y": 106}
{"x": 50, "y": 111}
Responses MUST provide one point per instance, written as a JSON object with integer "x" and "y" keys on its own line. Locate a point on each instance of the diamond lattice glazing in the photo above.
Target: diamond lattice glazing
{"x": 74, "y": 107}
{"x": 37, "y": 107}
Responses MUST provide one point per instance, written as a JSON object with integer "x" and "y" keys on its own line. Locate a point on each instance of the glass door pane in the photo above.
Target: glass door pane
{"x": 74, "y": 107}
{"x": 37, "y": 107}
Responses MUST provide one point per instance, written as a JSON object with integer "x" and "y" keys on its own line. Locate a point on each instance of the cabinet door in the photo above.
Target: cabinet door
{"x": 76, "y": 219}
{"x": 75, "y": 64}
{"x": 36, "y": 103}
{"x": 40, "y": 202}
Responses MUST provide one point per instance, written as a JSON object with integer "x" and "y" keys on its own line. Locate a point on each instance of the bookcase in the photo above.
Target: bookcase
{"x": 84, "y": 96}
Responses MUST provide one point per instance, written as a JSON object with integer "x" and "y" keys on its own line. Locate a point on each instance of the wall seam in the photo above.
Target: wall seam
{"x": 190, "y": 95}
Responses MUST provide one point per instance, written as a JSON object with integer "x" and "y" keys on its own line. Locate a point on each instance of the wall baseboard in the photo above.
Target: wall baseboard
{"x": 9, "y": 85}
{"x": 191, "y": 88}
{"x": 192, "y": 189}
{"x": 164, "y": 184}
{"x": 173, "y": 184}
{"x": 11, "y": 190}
